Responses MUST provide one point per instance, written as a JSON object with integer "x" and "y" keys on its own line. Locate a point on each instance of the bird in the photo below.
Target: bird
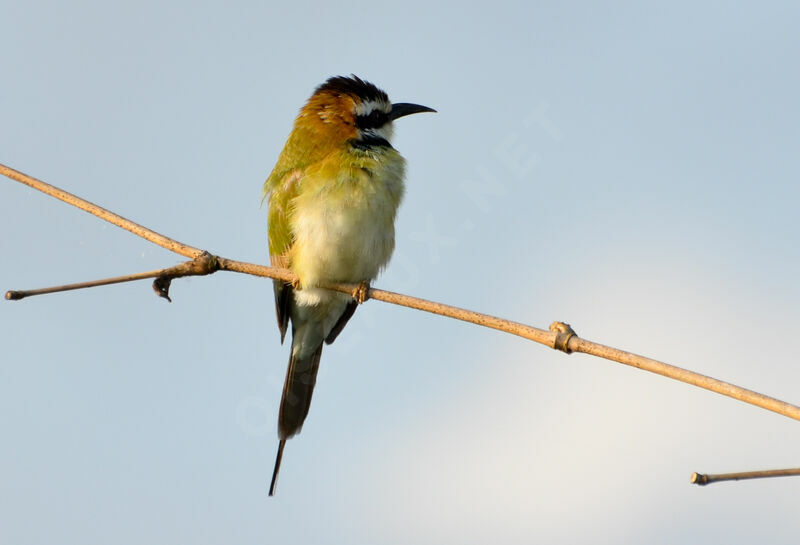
{"x": 332, "y": 200}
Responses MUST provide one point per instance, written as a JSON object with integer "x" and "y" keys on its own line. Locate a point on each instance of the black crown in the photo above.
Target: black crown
{"x": 353, "y": 85}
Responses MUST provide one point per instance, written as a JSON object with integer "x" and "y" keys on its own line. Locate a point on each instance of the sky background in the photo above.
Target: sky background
{"x": 630, "y": 169}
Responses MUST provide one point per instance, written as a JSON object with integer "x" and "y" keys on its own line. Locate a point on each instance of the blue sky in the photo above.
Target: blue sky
{"x": 631, "y": 169}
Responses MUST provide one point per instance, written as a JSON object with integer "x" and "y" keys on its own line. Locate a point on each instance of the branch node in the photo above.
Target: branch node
{"x": 202, "y": 265}
{"x": 564, "y": 333}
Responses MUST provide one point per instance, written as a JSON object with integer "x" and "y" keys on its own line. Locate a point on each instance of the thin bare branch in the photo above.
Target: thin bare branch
{"x": 102, "y": 213}
{"x": 703, "y": 479}
{"x": 683, "y": 375}
{"x": 202, "y": 265}
{"x": 560, "y": 336}
{"x": 16, "y": 295}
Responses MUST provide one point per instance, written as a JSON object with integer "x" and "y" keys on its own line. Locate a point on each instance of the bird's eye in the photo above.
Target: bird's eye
{"x": 373, "y": 120}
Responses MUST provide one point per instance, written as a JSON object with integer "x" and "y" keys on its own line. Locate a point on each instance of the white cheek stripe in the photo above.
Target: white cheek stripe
{"x": 386, "y": 131}
{"x": 364, "y": 108}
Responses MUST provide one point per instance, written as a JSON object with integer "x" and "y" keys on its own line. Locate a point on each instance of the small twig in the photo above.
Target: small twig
{"x": 201, "y": 266}
{"x": 560, "y": 336}
{"x": 703, "y": 479}
{"x": 16, "y": 295}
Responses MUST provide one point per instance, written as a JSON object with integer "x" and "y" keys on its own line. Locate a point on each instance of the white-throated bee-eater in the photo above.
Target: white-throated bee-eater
{"x": 333, "y": 197}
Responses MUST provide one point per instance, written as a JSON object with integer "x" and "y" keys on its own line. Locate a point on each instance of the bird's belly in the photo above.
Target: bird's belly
{"x": 342, "y": 239}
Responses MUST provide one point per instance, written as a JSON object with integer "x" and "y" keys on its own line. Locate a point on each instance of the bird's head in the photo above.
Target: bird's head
{"x": 352, "y": 110}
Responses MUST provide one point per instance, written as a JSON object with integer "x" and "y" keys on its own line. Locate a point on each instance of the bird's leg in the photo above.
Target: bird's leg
{"x": 361, "y": 293}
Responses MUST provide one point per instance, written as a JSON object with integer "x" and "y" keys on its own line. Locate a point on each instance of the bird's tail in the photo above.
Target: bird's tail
{"x": 277, "y": 467}
{"x": 301, "y": 376}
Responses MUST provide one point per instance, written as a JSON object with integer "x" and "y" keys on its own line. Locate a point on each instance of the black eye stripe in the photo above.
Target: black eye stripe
{"x": 373, "y": 120}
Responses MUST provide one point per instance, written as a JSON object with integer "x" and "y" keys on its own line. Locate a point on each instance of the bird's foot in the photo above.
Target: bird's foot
{"x": 295, "y": 283}
{"x": 361, "y": 293}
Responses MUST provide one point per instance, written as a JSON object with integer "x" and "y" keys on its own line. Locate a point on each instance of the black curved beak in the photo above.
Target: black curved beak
{"x": 401, "y": 109}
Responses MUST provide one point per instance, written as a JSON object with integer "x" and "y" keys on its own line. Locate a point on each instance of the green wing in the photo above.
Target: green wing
{"x": 284, "y": 181}
{"x": 280, "y": 195}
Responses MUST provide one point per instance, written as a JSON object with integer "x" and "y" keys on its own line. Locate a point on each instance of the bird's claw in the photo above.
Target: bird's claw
{"x": 361, "y": 293}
